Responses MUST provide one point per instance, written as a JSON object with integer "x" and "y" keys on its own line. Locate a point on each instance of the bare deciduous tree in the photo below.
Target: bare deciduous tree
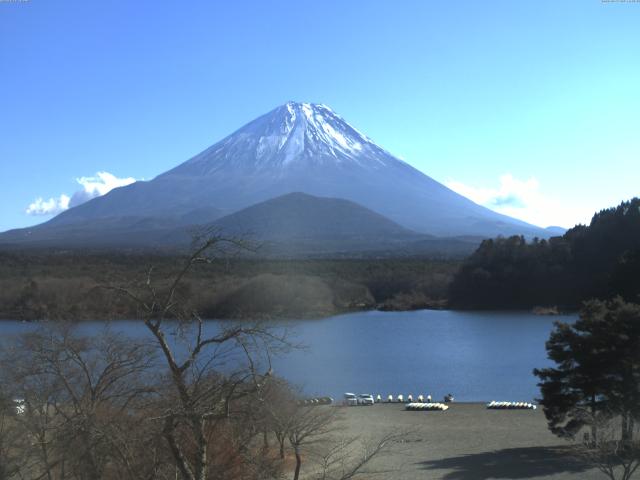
{"x": 80, "y": 395}
{"x": 351, "y": 457}
{"x": 308, "y": 426}
{"x": 616, "y": 450}
{"x": 209, "y": 369}
{"x": 195, "y": 400}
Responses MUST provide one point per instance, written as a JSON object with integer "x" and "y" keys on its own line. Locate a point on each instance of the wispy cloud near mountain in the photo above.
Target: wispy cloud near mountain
{"x": 518, "y": 198}
{"x": 511, "y": 192}
{"x": 96, "y": 186}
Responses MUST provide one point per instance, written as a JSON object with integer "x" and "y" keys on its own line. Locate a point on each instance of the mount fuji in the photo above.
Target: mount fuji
{"x": 297, "y": 147}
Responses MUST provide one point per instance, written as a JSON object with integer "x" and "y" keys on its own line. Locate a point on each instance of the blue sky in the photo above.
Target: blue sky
{"x": 531, "y": 108}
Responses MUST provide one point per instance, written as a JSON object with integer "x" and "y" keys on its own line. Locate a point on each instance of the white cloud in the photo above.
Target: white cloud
{"x": 522, "y": 199}
{"x": 53, "y": 206}
{"x": 97, "y": 186}
{"x": 101, "y": 184}
{"x": 511, "y": 192}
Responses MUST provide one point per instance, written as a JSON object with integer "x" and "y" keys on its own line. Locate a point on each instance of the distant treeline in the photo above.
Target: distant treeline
{"x": 69, "y": 285}
{"x": 600, "y": 260}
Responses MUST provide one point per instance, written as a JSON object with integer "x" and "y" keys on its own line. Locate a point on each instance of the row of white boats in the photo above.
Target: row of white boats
{"x": 491, "y": 405}
{"x": 421, "y": 404}
{"x": 427, "y": 406}
{"x": 510, "y": 405}
{"x": 401, "y": 399}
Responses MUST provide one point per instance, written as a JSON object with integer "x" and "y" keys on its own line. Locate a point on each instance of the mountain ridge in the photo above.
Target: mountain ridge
{"x": 297, "y": 147}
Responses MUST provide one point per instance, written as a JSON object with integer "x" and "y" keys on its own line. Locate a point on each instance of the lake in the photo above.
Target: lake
{"x": 476, "y": 356}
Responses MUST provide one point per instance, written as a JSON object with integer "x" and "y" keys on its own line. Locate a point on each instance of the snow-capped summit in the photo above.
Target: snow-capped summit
{"x": 297, "y": 147}
{"x": 294, "y": 135}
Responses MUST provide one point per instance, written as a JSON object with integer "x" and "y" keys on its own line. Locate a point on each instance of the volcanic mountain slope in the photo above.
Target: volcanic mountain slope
{"x": 302, "y": 224}
{"x": 301, "y": 216}
{"x": 298, "y": 147}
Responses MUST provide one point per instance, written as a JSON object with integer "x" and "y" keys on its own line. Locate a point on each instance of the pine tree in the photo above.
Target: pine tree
{"x": 597, "y": 369}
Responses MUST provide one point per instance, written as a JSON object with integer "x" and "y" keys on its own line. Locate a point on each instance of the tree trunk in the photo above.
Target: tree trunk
{"x": 181, "y": 462}
{"x": 90, "y": 467}
{"x": 45, "y": 453}
{"x": 281, "y": 439}
{"x": 594, "y": 421}
{"x": 202, "y": 466}
{"x": 625, "y": 430}
{"x": 296, "y": 474}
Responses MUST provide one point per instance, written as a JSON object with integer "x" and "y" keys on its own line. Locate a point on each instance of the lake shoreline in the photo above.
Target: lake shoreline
{"x": 441, "y": 305}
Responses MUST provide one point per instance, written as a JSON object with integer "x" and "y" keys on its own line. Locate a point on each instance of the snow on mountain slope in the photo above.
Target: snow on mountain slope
{"x": 294, "y": 135}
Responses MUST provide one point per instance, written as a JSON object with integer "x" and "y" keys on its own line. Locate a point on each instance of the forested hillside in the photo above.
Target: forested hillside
{"x": 599, "y": 260}
{"x": 67, "y": 285}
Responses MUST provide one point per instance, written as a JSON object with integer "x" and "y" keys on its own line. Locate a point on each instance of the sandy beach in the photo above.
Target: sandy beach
{"x": 468, "y": 442}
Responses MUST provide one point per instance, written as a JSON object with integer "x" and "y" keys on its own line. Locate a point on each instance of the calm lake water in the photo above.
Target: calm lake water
{"x": 477, "y": 356}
